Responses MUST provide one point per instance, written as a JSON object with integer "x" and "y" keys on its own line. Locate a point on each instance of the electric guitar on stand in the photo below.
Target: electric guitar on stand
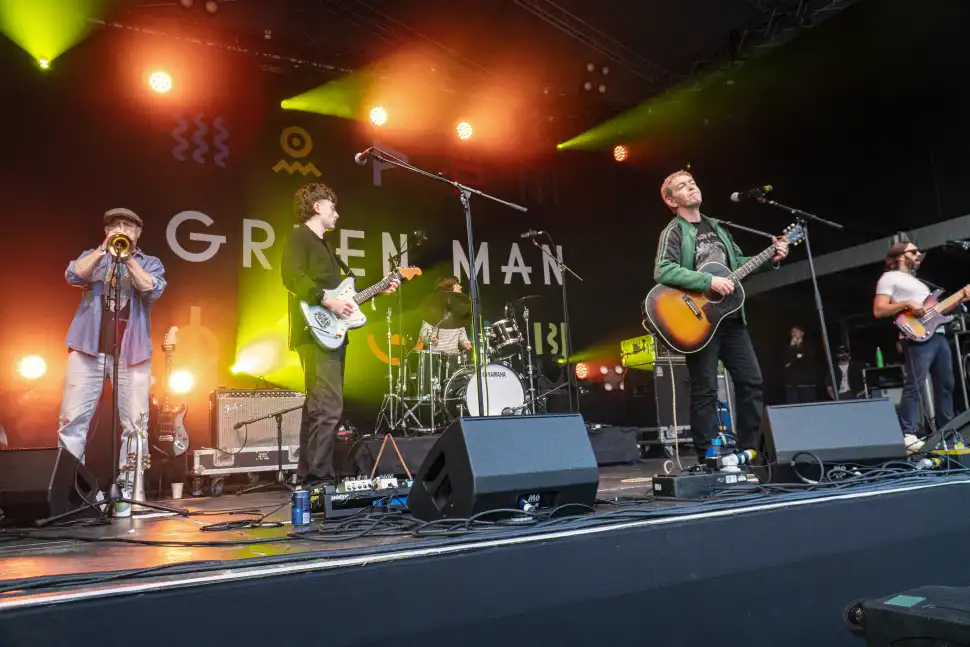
{"x": 686, "y": 321}
{"x": 922, "y": 328}
{"x": 328, "y": 329}
{"x": 169, "y": 435}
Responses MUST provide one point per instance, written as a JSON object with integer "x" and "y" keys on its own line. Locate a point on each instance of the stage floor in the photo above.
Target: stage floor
{"x": 52, "y": 554}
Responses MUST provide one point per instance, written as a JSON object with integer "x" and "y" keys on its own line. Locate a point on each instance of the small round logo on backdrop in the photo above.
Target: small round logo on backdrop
{"x": 296, "y": 143}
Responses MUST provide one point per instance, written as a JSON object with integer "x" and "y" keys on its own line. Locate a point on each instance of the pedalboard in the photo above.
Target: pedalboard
{"x": 699, "y": 484}
{"x": 354, "y": 496}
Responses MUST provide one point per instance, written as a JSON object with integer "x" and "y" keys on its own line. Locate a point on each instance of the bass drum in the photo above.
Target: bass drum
{"x": 503, "y": 389}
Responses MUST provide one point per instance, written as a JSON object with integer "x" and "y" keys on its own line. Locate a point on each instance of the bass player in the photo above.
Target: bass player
{"x": 308, "y": 267}
{"x": 690, "y": 240}
{"x": 898, "y": 289}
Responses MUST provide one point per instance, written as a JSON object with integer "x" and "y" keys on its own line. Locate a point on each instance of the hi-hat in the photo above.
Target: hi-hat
{"x": 438, "y": 304}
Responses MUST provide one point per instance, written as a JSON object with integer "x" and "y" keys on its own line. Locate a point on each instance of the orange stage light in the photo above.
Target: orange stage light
{"x": 160, "y": 82}
{"x": 464, "y": 130}
{"x": 620, "y": 153}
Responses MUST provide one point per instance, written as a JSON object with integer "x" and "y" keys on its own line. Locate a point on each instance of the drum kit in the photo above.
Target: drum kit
{"x": 434, "y": 387}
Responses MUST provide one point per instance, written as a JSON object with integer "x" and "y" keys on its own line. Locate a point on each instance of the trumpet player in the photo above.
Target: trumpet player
{"x": 116, "y": 268}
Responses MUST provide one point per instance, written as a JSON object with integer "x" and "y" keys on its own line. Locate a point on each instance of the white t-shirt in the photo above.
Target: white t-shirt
{"x": 903, "y": 286}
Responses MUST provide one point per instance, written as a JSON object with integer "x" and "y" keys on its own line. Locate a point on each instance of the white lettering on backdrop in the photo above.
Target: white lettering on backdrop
{"x": 259, "y": 236}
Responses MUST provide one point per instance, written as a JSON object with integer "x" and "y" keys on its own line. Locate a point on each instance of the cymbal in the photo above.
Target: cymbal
{"x": 437, "y": 304}
{"x": 528, "y": 297}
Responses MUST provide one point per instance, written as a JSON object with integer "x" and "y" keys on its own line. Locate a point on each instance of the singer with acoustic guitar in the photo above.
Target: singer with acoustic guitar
{"x": 920, "y": 317}
{"x": 690, "y": 241}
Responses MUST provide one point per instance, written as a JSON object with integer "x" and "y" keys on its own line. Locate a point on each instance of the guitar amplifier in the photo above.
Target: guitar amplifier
{"x": 228, "y": 407}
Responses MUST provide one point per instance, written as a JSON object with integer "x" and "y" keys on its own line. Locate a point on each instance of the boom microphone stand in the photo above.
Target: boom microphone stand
{"x": 802, "y": 218}
{"x": 568, "y": 339}
{"x": 465, "y": 194}
{"x": 280, "y": 476}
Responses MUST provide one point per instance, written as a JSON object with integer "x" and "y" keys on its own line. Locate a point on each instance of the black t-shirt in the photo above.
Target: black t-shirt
{"x": 708, "y": 247}
{"x": 106, "y": 337}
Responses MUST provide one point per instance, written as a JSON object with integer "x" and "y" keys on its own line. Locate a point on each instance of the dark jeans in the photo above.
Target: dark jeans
{"x": 323, "y": 372}
{"x": 732, "y": 345}
{"x": 930, "y": 357}
{"x": 797, "y": 393}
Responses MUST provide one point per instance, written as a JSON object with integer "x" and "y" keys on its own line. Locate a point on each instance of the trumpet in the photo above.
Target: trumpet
{"x": 119, "y": 246}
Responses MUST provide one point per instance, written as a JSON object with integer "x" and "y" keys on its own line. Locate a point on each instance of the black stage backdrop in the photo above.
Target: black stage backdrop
{"x": 875, "y": 141}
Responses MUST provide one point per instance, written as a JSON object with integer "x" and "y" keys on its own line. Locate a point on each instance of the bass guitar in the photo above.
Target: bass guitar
{"x": 922, "y": 328}
{"x": 686, "y": 321}
{"x": 169, "y": 435}
{"x": 328, "y": 329}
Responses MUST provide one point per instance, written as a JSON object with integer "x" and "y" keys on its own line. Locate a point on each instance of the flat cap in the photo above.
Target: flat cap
{"x": 121, "y": 212}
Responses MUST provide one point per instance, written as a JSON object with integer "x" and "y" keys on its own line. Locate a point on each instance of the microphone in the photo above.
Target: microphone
{"x": 532, "y": 233}
{"x": 419, "y": 236}
{"x": 361, "y": 157}
{"x": 962, "y": 244}
{"x": 239, "y": 425}
{"x": 750, "y": 194}
{"x": 731, "y": 462}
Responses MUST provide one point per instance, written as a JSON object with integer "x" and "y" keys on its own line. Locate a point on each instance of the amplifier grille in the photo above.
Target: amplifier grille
{"x": 228, "y": 407}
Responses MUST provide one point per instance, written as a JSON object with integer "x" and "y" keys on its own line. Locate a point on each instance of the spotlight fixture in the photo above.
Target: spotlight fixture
{"x": 620, "y": 153}
{"x": 32, "y": 367}
{"x": 44, "y": 63}
{"x": 378, "y": 115}
{"x": 212, "y": 6}
{"x": 160, "y": 82}
{"x": 181, "y": 381}
{"x": 582, "y": 370}
{"x": 464, "y": 130}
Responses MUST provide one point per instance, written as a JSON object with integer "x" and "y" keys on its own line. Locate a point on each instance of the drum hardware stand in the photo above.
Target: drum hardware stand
{"x": 567, "y": 342}
{"x": 465, "y": 195}
{"x": 280, "y": 475}
{"x": 802, "y": 218}
{"x": 528, "y": 351}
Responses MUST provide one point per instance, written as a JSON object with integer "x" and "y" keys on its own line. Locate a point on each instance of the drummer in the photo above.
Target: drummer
{"x": 447, "y": 333}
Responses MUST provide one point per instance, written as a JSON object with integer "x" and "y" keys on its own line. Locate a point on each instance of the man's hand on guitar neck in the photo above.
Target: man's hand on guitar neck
{"x": 722, "y": 285}
{"x": 781, "y": 249}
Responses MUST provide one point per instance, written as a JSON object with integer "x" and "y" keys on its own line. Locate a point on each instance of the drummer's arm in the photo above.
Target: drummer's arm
{"x": 463, "y": 340}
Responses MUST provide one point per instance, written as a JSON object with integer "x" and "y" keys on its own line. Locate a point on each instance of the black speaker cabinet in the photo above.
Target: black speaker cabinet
{"x": 512, "y": 462}
{"x": 848, "y": 431}
{"x": 39, "y": 483}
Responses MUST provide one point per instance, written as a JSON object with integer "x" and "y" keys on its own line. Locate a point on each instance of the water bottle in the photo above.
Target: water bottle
{"x": 880, "y": 360}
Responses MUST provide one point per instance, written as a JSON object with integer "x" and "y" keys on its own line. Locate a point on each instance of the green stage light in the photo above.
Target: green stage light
{"x": 45, "y": 29}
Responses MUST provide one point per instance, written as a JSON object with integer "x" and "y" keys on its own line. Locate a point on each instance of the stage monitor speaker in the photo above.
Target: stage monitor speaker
{"x": 510, "y": 462}
{"x": 39, "y": 483}
{"x": 847, "y": 431}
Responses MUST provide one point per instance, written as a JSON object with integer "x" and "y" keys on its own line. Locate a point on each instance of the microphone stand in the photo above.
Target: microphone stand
{"x": 465, "y": 194}
{"x": 568, "y": 340}
{"x": 280, "y": 477}
{"x": 802, "y": 218}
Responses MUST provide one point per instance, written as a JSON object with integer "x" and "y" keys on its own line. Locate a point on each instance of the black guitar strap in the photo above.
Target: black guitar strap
{"x": 340, "y": 261}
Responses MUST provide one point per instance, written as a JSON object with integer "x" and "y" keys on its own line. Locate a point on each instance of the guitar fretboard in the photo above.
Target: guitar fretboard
{"x": 371, "y": 292}
{"x": 753, "y": 264}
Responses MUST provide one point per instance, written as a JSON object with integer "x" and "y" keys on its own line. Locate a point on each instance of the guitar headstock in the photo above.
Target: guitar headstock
{"x": 794, "y": 234}
{"x": 169, "y": 342}
{"x": 408, "y": 273}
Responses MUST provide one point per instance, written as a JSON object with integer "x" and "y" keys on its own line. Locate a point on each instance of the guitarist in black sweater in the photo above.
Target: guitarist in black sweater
{"x": 308, "y": 267}
{"x": 689, "y": 241}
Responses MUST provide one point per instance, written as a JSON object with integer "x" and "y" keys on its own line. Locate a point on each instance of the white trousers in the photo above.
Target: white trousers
{"x": 82, "y": 390}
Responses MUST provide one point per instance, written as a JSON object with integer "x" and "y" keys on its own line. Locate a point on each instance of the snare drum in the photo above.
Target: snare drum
{"x": 504, "y": 339}
{"x": 503, "y": 389}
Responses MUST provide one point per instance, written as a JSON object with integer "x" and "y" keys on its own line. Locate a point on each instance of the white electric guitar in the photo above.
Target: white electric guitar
{"x": 171, "y": 419}
{"x": 328, "y": 329}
